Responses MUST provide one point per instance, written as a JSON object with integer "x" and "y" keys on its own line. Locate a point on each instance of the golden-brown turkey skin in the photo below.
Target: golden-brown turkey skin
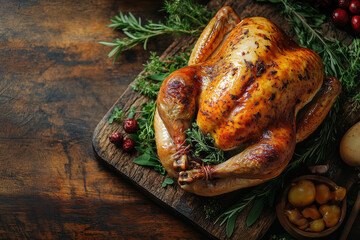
{"x": 257, "y": 77}
{"x": 246, "y": 92}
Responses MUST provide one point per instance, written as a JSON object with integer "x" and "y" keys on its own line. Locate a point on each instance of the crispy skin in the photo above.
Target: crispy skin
{"x": 258, "y": 76}
{"x": 213, "y": 35}
{"x": 245, "y": 89}
{"x": 312, "y": 115}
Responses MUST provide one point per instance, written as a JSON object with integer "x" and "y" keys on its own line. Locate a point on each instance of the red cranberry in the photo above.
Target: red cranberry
{"x": 116, "y": 138}
{"x": 355, "y": 23}
{"x": 344, "y": 3}
{"x": 340, "y": 17}
{"x": 128, "y": 144}
{"x": 131, "y": 125}
{"x": 354, "y": 6}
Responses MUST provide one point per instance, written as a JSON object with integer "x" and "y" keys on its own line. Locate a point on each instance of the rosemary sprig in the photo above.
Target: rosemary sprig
{"x": 185, "y": 17}
{"x": 204, "y": 146}
{"x": 230, "y": 216}
{"x": 350, "y": 77}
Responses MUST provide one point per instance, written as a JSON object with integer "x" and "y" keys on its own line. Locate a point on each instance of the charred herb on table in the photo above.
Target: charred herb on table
{"x": 212, "y": 207}
{"x": 185, "y": 17}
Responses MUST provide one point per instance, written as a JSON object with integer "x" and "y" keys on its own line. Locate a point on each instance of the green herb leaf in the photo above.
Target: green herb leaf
{"x": 157, "y": 77}
{"x": 255, "y": 211}
{"x": 108, "y": 44}
{"x": 230, "y": 225}
{"x": 131, "y": 112}
{"x": 145, "y": 160}
{"x": 117, "y": 114}
{"x": 167, "y": 181}
{"x": 160, "y": 169}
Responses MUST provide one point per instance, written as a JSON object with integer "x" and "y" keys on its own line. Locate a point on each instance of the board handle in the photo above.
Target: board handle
{"x": 351, "y": 218}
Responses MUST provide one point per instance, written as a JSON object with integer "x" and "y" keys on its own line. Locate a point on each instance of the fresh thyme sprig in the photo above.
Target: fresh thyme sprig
{"x": 185, "y": 17}
{"x": 117, "y": 114}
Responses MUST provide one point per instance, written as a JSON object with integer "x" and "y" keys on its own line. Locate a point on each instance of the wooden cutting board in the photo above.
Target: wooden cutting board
{"x": 184, "y": 204}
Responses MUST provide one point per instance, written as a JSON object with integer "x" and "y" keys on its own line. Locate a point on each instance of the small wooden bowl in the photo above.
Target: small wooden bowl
{"x": 291, "y": 228}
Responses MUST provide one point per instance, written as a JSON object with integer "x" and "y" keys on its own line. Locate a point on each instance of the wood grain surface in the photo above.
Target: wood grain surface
{"x": 56, "y": 84}
{"x": 189, "y": 206}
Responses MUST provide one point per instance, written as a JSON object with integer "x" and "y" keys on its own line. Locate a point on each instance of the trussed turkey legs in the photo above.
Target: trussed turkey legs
{"x": 253, "y": 87}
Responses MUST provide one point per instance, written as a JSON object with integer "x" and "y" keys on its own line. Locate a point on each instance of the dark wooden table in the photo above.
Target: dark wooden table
{"x": 55, "y": 85}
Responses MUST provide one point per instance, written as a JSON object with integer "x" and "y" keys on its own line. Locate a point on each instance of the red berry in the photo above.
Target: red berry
{"x": 355, "y": 23}
{"x": 354, "y": 6}
{"x": 128, "y": 144}
{"x": 131, "y": 125}
{"x": 340, "y": 17}
{"x": 116, "y": 138}
{"x": 344, "y": 3}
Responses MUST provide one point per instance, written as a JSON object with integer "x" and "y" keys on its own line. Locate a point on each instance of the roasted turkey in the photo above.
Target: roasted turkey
{"x": 250, "y": 87}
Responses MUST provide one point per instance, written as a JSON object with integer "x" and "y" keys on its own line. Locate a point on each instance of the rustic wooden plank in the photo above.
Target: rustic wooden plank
{"x": 183, "y": 203}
